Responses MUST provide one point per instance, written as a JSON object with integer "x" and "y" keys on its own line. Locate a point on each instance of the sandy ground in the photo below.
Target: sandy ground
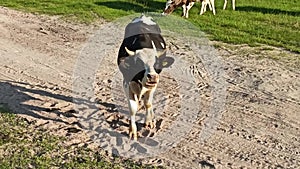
{"x": 258, "y": 126}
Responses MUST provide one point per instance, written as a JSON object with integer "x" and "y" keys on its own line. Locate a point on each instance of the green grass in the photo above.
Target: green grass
{"x": 255, "y": 22}
{"x": 24, "y": 146}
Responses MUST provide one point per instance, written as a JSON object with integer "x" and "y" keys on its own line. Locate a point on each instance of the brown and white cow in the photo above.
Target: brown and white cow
{"x": 142, "y": 56}
{"x": 171, "y": 5}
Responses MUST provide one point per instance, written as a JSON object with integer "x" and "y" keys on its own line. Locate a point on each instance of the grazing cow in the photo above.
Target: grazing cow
{"x": 142, "y": 56}
{"x": 171, "y": 5}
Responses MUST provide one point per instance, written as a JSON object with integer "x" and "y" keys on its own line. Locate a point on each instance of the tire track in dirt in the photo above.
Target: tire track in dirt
{"x": 260, "y": 127}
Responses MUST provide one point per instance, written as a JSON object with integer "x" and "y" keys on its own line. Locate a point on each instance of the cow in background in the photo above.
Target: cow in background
{"x": 171, "y": 5}
{"x": 141, "y": 58}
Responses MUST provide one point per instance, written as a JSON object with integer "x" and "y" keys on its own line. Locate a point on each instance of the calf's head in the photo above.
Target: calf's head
{"x": 148, "y": 63}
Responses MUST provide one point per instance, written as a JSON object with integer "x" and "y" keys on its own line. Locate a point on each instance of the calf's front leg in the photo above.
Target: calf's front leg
{"x": 148, "y": 97}
{"x": 183, "y": 10}
{"x": 133, "y": 103}
{"x": 133, "y": 107}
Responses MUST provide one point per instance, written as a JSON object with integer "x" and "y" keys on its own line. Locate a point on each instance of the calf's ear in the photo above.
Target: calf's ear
{"x": 167, "y": 62}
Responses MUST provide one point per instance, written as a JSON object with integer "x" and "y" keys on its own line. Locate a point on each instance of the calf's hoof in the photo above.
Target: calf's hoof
{"x": 149, "y": 125}
{"x": 133, "y": 135}
{"x": 133, "y": 132}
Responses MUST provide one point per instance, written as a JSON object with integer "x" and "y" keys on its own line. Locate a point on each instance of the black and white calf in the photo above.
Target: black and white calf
{"x": 141, "y": 58}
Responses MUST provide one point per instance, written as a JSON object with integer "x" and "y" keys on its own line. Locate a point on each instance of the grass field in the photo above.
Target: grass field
{"x": 275, "y": 23}
{"x": 24, "y": 146}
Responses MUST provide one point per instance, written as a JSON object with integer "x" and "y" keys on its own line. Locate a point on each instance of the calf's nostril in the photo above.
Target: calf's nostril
{"x": 149, "y": 76}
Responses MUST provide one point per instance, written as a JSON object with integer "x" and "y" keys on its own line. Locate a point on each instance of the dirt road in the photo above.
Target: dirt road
{"x": 259, "y": 126}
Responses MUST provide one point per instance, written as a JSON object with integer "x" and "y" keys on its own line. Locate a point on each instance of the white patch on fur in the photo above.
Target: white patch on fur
{"x": 153, "y": 45}
{"x": 145, "y": 20}
{"x": 133, "y": 105}
{"x": 168, "y": 3}
{"x": 163, "y": 45}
